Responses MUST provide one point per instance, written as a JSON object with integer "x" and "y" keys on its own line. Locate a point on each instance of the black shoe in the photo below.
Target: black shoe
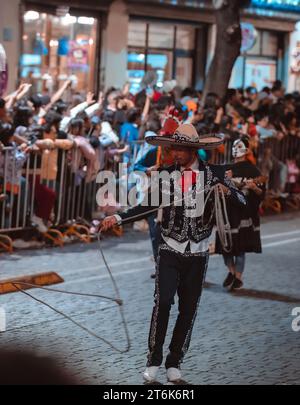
{"x": 237, "y": 284}
{"x": 228, "y": 280}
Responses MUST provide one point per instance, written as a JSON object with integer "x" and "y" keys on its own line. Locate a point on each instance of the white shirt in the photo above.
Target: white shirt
{"x": 76, "y": 110}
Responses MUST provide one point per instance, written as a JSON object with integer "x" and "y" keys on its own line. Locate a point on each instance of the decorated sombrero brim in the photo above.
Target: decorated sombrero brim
{"x": 186, "y": 135}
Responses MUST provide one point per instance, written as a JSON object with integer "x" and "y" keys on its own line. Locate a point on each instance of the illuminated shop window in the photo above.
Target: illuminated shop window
{"x": 57, "y": 48}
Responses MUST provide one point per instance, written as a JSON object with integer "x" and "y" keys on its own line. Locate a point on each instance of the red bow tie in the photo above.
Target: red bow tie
{"x": 187, "y": 180}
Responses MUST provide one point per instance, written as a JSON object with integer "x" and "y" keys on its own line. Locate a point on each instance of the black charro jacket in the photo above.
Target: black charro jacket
{"x": 175, "y": 223}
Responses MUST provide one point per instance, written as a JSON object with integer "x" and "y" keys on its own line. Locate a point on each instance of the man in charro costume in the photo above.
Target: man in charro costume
{"x": 183, "y": 252}
{"x": 159, "y": 157}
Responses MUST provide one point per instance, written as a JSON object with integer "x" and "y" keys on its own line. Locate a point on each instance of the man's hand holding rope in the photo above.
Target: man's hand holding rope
{"x": 108, "y": 223}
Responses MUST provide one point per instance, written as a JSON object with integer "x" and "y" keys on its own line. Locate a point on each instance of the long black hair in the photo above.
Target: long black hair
{"x": 22, "y": 114}
{"x": 6, "y": 132}
{"x": 52, "y": 119}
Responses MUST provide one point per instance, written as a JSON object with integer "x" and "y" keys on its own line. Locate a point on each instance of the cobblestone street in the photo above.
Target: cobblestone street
{"x": 240, "y": 338}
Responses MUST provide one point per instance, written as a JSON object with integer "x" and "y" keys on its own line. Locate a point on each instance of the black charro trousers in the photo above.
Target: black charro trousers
{"x": 185, "y": 275}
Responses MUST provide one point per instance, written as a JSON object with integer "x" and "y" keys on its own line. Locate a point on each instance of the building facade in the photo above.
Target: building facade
{"x": 103, "y": 43}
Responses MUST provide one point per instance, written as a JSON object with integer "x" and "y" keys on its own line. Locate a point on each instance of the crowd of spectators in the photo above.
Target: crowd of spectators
{"x": 97, "y": 132}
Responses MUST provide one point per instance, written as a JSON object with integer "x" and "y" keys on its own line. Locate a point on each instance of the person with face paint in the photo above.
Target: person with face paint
{"x": 244, "y": 220}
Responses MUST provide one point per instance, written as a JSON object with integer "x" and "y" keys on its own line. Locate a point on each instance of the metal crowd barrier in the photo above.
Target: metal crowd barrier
{"x": 25, "y": 188}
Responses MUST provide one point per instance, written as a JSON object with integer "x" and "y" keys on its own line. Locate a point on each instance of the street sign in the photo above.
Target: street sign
{"x": 291, "y": 5}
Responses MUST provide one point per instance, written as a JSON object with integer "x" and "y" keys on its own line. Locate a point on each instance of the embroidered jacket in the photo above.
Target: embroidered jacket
{"x": 176, "y": 224}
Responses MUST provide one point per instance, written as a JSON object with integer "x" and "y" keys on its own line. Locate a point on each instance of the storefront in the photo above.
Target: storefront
{"x": 71, "y": 39}
{"x": 259, "y": 65}
{"x": 103, "y": 43}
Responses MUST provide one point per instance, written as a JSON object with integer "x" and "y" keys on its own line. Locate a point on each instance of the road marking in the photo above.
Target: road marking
{"x": 142, "y": 269}
{"x": 275, "y": 235}
{"x": 103, "y": 276}
{"x": 132, "y": 261}
{"x": 281, "y": 242}
{"x": 143, "y": 259}
{"x": 112, "y": 264}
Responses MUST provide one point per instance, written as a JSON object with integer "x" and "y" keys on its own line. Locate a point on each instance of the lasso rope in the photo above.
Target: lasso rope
{"x": 117, "y": 300}
{"x": 78, "y": 324}
{"x": 222, "y": 221}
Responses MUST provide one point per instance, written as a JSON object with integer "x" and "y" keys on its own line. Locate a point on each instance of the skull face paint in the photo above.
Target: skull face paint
{"x": 239, "y": 149}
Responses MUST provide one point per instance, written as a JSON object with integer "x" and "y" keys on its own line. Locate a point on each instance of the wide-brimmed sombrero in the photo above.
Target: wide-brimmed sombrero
{"x": 186, "y": 135}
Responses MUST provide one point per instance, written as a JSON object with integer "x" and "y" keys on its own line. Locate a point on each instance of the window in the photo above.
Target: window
{"x": 161, "y": 62}
{"x": 135, "y": 68}
{"x": 255, "y": 50}
{"x": 185, "y": 38}
{"x": 184, "y": 69}
{"x": 161, "y": 36}
{"x": 164, "y": 48}
{"x": 269, "y": 44}
{"x": 266, "y": 44}
{"x": 237, "y": 76}
{"x": 137, "y": 34}
{"x": 260, "y": 72}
